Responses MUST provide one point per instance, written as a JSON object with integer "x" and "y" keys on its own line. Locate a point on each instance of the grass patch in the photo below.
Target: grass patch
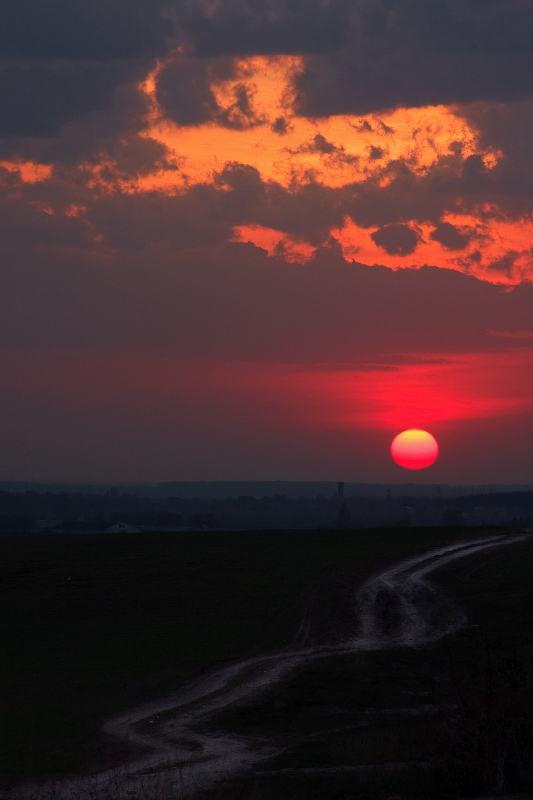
{"x": 409, "y": 784}
{"x": 92, "y": 625}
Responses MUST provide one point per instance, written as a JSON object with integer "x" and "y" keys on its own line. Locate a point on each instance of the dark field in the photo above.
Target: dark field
{"x": 92, "y": 625}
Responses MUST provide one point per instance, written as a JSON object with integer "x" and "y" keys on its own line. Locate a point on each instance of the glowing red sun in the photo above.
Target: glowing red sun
{"x": 414, "y": 449}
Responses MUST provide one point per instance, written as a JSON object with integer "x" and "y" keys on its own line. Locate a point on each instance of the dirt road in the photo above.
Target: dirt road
{"x": 395, "y": 607}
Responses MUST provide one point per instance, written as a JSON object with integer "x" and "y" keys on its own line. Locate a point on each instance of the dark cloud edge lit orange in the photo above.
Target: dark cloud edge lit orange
{"x": 393, "y": 189}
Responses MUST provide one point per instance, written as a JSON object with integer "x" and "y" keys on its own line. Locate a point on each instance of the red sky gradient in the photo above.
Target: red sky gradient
{"x": 207, "y": 280}
{"x": 129, "y": 411}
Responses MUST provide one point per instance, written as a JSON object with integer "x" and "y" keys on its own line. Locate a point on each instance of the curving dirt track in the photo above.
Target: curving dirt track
{"x": 395, "y": 607}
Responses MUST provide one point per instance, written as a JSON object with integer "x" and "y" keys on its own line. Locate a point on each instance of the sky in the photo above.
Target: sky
{"x": 256, "y": 239}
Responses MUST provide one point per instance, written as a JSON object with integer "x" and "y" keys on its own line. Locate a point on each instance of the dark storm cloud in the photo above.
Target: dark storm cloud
{"x": 184, "y": 89}
{"x": 311, "y": 210}
{"x": 505, "y": 264}
{"x": 37, "y": 227}
{"x": 376, "y": 153}
{"x": 184, "y": 92}
{"x": 37, "y": 98}
{"x": 369, "y": 55}
{"x": 112, "y": 134}
{"x": 330, "y": 152}
{"x": 410, "y": 196}
{"x": 265, "y": 26}
{"x": 355, "y": 83}
{"x": 450, "y": 236}
{"x": 206, "y": 213}
{"x": 396, "y": 239}
{"x": 280, "y": 126}
{"x": 63, "y": 58}
{"x": 101, "y": 30}
{"x": 133, "y": 221}
{"x": 508, "y": 128}
{"x": 320, "y": 145}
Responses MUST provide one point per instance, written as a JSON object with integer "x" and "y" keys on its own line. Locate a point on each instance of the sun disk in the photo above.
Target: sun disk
{"x": 414, "y": 449}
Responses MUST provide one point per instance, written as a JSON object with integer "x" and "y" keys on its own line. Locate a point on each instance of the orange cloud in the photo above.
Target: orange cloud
{"x": 28, "y": 171}
{"x": 288, "y": 148}
{"x": 343, "y": 152}
{"x": 276, "y": 243}
{"x": 337, "y": 151}
{"x": 499, "y": 250}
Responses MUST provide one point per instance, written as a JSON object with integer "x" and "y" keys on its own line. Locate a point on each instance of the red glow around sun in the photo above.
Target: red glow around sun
{"x": 414, "y": 449}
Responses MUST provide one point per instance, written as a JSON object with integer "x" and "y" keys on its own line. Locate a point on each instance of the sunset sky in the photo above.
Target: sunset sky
{"x": 256, "y": 239}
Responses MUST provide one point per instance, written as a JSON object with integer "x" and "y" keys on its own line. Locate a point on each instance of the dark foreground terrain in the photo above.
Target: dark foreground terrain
{"x": 93, "y": 626}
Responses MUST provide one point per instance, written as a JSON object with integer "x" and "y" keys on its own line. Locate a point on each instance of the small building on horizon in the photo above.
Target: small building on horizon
{"x": 122, "y": 527}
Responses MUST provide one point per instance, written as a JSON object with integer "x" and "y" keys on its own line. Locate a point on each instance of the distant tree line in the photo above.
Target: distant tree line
{"x": 26, "y": 512}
